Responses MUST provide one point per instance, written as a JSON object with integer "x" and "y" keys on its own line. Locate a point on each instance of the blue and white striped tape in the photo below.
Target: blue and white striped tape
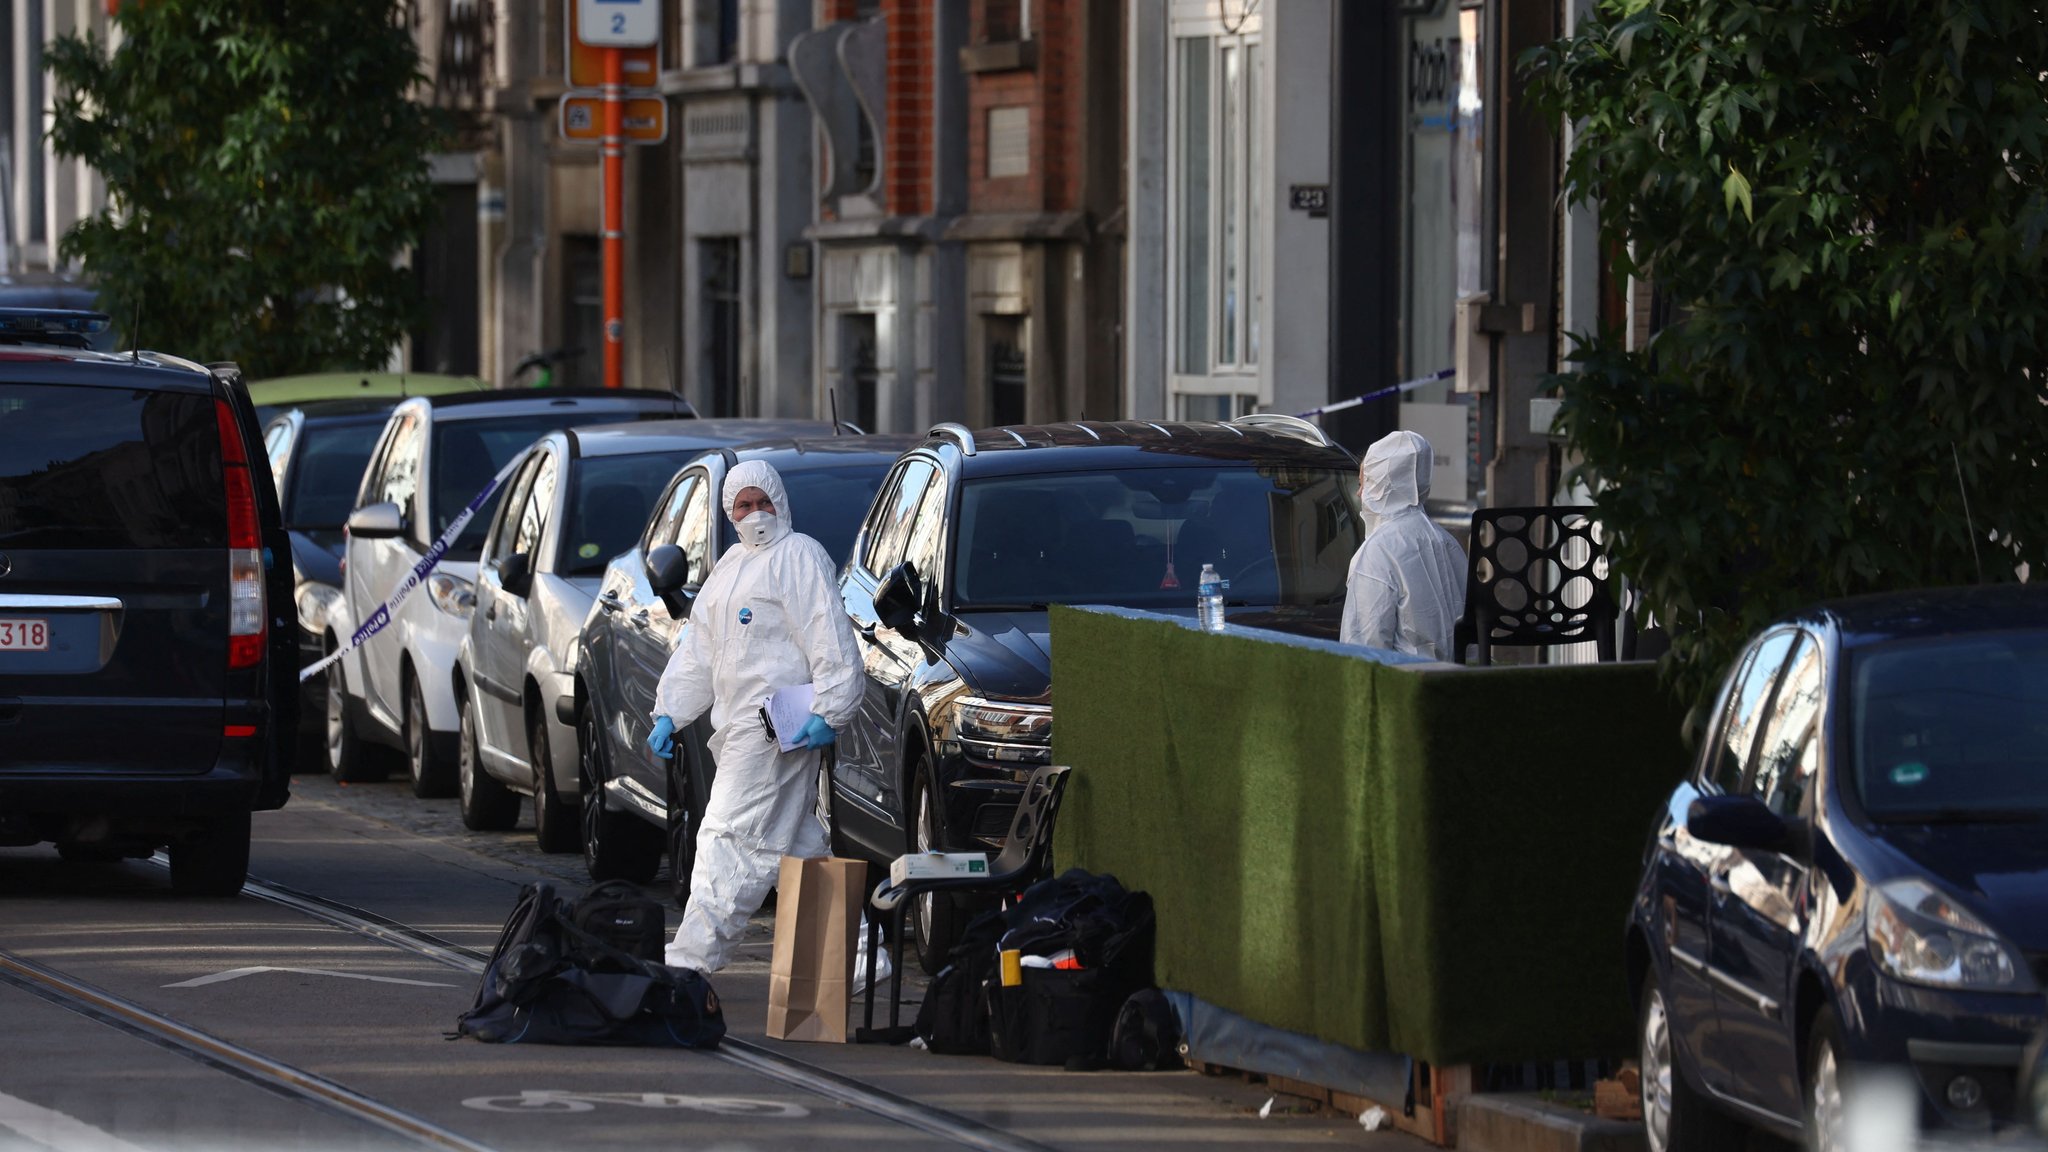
{"x": 381, "y": 618}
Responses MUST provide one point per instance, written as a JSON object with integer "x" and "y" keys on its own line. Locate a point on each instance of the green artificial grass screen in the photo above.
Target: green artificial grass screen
{"x": 1426, "y": 860}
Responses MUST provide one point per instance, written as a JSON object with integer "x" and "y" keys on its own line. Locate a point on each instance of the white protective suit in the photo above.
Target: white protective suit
{"x": 1407, "y": 585}
{"x": 768, "y": 617}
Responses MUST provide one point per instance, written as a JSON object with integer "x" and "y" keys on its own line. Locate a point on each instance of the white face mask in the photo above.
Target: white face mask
{"x": 758, "y": 529}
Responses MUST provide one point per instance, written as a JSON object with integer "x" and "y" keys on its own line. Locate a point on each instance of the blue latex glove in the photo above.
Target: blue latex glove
{"x": 816, "y": 733}
{"x": 661, "y": 741}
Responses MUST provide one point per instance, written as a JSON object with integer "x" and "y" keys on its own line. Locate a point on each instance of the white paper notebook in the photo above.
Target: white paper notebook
{"x": 789, "y": 709}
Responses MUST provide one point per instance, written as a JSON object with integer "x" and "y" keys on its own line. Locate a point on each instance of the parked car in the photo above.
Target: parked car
{"x": 1854, "y": 873}
{"x": 580, "y": 497}
{"x": 435, "y": 455}
{"x": 636, "y": 806}
{"x": 147, "y": 679}
{"x": 280, "y": 392}
{"x": 317, "y": 454}
{"x": 978, "y": 532}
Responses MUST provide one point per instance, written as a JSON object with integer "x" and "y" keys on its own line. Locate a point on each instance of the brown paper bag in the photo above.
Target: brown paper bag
{"x": 817, "y": 917}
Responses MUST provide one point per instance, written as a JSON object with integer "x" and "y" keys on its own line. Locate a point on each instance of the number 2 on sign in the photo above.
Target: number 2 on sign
{"x": 618, "y": 24}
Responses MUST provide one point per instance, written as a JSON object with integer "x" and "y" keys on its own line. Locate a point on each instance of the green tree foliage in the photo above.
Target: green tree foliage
{"x": 264, "y": 167}
{"x": 1847, "y": 198}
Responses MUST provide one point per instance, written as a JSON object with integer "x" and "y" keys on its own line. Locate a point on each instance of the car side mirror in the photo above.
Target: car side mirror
{"x": 515, "y": 573}
{"x": 899, "y": 597}
{"x": 1740, "y": 822}
{"x": 668, "y": 570}
{"x": 376, "y": 522}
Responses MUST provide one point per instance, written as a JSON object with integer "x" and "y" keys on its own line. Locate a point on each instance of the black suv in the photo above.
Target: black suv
{"x": 975, "y": 534}
{"x": 147, "y": 678}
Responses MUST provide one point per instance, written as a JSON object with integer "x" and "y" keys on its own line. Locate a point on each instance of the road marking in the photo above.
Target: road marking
{"x": 238, "y": 973}
{"x": 556, "y": 1100}
{"x": 56, "y": 1130}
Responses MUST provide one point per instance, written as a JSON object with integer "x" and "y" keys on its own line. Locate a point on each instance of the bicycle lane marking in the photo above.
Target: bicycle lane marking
{"x": 558, "y": 1100}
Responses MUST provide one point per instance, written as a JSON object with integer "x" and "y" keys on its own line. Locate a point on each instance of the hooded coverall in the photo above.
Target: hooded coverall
{"x": 768, "y": 617}
{"x": 1406, "y": 590}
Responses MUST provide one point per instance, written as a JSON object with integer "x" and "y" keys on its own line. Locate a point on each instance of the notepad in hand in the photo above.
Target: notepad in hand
{"x": 789, "y": 709}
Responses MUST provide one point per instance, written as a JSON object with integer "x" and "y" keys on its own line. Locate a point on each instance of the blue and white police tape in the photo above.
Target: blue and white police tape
{"x": 1404, "y": 386}
{"x": 382, "y": 616}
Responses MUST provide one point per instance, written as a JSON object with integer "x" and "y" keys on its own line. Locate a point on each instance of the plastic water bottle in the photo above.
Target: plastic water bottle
{"x": 1209, "y": 600}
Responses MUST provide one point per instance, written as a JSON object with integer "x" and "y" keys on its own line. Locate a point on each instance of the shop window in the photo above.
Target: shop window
{"x": 718, "y": 262}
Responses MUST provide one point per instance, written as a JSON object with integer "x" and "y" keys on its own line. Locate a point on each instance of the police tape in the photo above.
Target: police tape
{"x": 439, "y": 548}
{"x": 1404, "y": 386}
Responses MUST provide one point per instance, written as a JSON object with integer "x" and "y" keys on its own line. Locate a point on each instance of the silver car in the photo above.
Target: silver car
{"x": 577, "y": 498}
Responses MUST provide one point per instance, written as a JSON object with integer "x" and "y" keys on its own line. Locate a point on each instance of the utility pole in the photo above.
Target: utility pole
{"x": 614, "y": 152}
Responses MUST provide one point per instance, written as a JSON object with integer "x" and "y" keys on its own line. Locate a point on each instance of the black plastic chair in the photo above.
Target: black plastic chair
{"x": 1026, "y": 858}
{"x": 1535, "y": 576}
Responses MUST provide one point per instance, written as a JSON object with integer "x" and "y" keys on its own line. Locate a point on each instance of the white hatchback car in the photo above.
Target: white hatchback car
{"x": 436, "y": 453}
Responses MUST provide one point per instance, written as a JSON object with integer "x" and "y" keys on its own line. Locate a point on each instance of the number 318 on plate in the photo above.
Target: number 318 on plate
{"x": 18, "y": 635}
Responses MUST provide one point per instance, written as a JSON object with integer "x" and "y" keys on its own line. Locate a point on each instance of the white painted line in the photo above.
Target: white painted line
{"x": 238, "y": 973}
{"x": 56, "y": 1130}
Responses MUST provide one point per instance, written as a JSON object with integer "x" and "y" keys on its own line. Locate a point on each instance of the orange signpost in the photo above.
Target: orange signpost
{"x": 614, "y": 45}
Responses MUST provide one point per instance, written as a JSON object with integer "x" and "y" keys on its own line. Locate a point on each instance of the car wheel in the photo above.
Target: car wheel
{"x": 432, "y": 775}
{"x": 616, "y": 845}
{"x": 347, "y": 757}
{"x": 682, "y": 832}
{"x": 555, "y": 825}
{"x": 213, "y": 861}
{"x": 1825, "y": 1070}
{"x": 487, "y": 805}
{"x": 934, "y": 915}
{"x": 1675, "y": 1118}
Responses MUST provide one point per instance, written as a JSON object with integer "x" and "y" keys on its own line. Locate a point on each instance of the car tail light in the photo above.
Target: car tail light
{"x": 245, "y": 547}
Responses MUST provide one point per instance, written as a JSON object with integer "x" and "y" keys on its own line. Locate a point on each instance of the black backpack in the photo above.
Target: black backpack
{"x": 620, "y": 914}
{"x": 953, "y": 1020}
{"x": 550, "y": 981}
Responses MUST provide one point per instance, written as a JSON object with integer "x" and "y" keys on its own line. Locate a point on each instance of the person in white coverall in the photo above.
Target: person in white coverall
{"x": 768, "y": 617}
{"x": 1407, "y": 585}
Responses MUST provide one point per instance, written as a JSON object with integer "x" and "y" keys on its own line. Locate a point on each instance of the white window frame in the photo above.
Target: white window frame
{"x": 1242, "y": 377}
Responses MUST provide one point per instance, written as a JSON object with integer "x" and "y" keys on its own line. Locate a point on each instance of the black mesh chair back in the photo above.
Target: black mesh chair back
{"x": 1025, "y": 858}
{"x": 1535, "y": 576}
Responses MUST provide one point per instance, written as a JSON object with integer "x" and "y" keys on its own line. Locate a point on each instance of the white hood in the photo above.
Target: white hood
{"x": 1394, "y": 474}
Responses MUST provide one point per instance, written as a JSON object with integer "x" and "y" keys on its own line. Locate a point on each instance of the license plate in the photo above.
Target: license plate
{"x": 19, "y": 635}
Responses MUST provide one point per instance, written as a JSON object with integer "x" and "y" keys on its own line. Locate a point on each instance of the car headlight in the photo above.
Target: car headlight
{"x": 999, "y": 730}
{"x": 1922, "y": 937}
{"x": 314, "y": 601}
{"x": 452, "y": 594}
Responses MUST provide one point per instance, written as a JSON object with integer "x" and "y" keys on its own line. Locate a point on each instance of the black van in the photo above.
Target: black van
{"x": 147, "y": 674}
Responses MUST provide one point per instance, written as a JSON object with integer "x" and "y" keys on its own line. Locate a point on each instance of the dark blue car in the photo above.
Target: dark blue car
{"x": 1854, "y": 874}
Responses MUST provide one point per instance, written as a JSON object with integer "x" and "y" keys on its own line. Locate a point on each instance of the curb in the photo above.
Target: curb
{"x": 1518, "y": 1122}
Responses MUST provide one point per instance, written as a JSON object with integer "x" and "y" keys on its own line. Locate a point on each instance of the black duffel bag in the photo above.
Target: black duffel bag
{"x": 551, "y": 982}
{"x": 1066, "y": 1015}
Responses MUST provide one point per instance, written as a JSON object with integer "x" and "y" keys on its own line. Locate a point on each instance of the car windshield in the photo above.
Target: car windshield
{"x": 1282, "y": 535}
{"x": 328, "y": 471}
{"x": 829, "y": 502}
{"x": 467, "y": 453}
{"x": 1953, "y": 728}
{"x": 612, "y": 499}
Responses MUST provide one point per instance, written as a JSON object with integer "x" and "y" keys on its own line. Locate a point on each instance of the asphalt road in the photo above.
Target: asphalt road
{"x": 311, "y": 1035}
